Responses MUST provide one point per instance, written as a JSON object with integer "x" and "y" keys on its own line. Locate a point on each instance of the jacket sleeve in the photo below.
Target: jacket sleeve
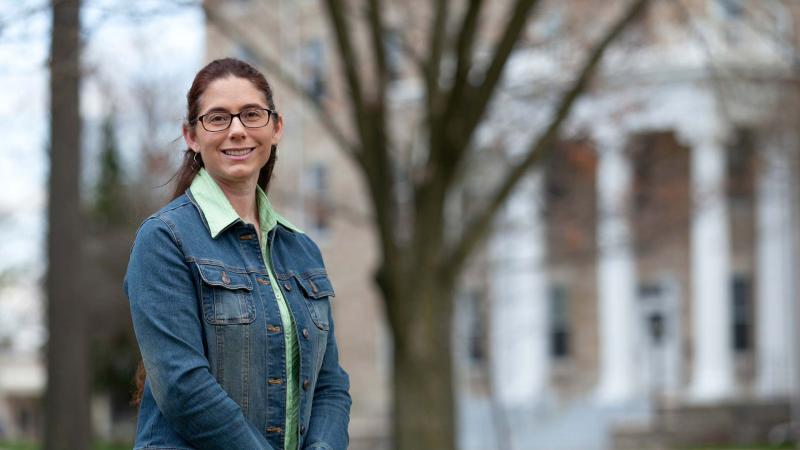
{"x": 166, "y": 320}
{"x": 330, "y": 413}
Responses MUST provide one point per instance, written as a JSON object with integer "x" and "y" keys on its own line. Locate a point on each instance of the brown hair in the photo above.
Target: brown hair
{"x": 220, "y": 68}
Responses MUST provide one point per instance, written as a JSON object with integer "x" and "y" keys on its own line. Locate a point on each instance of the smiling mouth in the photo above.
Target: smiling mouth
{"x": 238, "y": 151}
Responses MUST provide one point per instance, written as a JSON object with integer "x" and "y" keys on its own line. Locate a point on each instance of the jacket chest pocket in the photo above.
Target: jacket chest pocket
{"x": 227, "y": 296}
{"x": 318, "y": 290}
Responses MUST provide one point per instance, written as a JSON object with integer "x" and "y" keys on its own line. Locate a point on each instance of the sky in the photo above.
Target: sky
{"x": 124, "y": 42}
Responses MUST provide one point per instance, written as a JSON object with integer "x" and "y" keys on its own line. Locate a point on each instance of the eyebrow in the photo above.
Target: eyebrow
{"x": 249, "y": 105}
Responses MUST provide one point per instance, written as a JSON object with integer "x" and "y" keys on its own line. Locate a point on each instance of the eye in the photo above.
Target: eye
{"x": 252, "y": 114}
{"x": 217, "y": 118}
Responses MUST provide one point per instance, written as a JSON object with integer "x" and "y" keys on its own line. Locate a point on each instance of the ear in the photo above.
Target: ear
{"x": 189, "y": 137}
{"x": 278, "y": 130}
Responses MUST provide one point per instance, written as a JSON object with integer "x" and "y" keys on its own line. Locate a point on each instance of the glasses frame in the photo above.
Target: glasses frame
{"x": 269, "y": 117}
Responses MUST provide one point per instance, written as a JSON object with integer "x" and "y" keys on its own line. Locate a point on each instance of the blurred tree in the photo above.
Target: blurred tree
{"x": 114, "y": 353}
{"x": 67, "y": 395}
{"x": 109, "y": 207}
{"x": 422, "y": 253}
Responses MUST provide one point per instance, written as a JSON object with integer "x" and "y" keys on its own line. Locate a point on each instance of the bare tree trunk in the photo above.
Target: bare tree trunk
{"x": 423, "y": 391}
{"x": 67, "y": 397}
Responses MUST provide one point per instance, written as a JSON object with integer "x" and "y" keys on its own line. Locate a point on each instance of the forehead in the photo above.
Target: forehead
{"x": 231, "y": 93}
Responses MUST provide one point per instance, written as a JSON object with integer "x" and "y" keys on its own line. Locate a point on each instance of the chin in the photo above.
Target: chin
{"x": 242, "y": 173}
{"x": 234, "y": 174}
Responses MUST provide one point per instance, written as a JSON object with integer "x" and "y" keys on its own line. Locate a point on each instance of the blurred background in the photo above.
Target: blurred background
{"x": 555, "y": 224}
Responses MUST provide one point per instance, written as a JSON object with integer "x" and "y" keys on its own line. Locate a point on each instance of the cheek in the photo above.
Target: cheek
{"x": 209, "y": 142}
{"x": 264, "y": 140}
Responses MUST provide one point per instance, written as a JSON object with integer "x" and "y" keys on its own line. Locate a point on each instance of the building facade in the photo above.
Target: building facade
{"x": 649, "y": 263}
{"x": 666, "y": 228}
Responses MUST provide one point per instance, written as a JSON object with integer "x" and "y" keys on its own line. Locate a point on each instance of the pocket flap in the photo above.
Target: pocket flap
{"x": 219, "y": 276}
{"x": 316, "y": 285}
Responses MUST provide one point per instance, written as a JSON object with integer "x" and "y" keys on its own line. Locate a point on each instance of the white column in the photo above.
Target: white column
{"x": 616, "y": 275}
{"x": 712, "y": 331}
{"x": 775, "y": 286}
{"x": 519, "y": 358}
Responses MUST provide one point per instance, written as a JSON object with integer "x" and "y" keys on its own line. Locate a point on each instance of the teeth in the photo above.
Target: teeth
{"x": 238, "y": 152}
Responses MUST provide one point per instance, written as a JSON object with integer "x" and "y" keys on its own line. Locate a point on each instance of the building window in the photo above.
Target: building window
{"x": 559, "y": 322}
{"x": 742, "y": 163}
{"x": 655, "y": 325}
{"x": 742, "y": 313}
{"x": 319, "y": 205}
{"x": 731, "y": 13}
{"x": 393, "y": 45}
{"x": 314, "y": 68}
{"x": 655, "y": 321}
{"x": 476, "y": 329}
{"x": 731, "y": 9}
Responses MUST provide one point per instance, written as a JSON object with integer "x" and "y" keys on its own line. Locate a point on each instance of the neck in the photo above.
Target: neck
{"x": 243, "y": 199}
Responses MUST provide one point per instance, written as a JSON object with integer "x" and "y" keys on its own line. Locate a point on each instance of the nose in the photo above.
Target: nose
{"x": 237, "y": 128}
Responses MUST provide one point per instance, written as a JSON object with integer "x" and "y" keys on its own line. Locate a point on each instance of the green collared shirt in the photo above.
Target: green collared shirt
{"x": 219, "y": 214}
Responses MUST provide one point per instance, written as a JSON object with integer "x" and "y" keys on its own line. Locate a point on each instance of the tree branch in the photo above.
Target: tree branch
{"x": 378, "y": 46}
{"x": 231, "y": 29}
{"x": 451, "y": 155}
{"x": 433, "y": 65}
{"x": 478, "y": 97}
{"x": 479, "y": 226}
{"x": 349, "y": 60}
{"x": 374, "y": 145}
{"x": 433, "y": 115}
{"x": 378, "y": 133}
{"x": 458, "y": 127}
{"x": 466, "y": 39}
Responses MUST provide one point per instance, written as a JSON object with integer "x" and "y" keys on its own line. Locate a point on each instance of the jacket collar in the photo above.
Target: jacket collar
{"x": 219, "y": 213}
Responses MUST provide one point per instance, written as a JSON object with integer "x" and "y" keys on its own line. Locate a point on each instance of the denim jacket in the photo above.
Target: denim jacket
{"x": 209, "y": 329}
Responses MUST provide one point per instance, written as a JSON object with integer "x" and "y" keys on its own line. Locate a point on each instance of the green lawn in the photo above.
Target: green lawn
{"x": 762, "y": 447}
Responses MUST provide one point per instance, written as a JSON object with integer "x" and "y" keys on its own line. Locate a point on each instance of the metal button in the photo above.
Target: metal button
{"x": 287, "y": 286}
{"x": 225, "y": 278}
{"x": 305, "y": 333}
{"x": 306, "y": 384}
{"x": 263, "y": 281}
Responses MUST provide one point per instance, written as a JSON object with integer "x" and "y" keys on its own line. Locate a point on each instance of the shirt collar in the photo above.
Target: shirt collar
{"x": 219, "y": 212}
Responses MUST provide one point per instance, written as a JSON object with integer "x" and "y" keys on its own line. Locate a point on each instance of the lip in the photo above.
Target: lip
{"x": 237, "y": 157}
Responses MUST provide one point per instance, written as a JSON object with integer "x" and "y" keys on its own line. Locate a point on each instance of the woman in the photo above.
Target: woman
{"x": 230, "y": 302}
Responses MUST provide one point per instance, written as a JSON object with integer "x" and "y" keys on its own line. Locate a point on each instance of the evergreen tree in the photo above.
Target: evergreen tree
{"x": 109, "y": 206}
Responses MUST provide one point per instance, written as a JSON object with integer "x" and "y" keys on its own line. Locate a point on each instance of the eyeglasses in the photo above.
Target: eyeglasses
{"x": 250, "y": 118}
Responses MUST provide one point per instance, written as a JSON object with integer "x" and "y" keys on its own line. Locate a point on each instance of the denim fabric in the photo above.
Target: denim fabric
{"x": 210, "y": 333}
{"x": 219, "y": 215}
